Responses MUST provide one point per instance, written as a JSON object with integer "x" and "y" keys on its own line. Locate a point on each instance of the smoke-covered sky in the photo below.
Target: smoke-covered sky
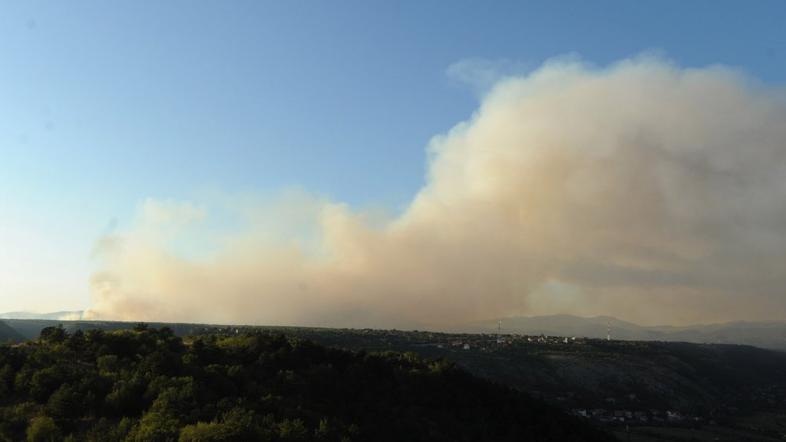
{"x": 641, "y": 190}
{"x": 406, "y": 164}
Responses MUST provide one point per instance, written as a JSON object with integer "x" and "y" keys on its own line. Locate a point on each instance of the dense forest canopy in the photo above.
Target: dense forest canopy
{"x": 150, "y": 385}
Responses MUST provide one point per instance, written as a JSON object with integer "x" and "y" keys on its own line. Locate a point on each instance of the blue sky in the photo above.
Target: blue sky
{"x": 103, "y": 105}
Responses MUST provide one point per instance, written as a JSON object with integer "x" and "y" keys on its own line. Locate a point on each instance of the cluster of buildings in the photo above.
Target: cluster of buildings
{"x": 648, "y": 417}
{"x": 490, "y": 342}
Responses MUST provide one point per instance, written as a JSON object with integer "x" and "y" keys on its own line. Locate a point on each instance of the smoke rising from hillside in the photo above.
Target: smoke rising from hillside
{"x": 642, "y": 190}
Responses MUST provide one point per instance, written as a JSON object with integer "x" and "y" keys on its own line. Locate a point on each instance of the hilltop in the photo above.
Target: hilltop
{"x": 584, "y": 372}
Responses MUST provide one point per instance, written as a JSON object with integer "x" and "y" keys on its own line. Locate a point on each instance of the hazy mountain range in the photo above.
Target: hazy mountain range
{"x": 765, "y": 334}
{"x": 74, "y": 315}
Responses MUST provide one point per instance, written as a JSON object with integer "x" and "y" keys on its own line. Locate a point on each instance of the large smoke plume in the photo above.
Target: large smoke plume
{"x": 641, "y": 190}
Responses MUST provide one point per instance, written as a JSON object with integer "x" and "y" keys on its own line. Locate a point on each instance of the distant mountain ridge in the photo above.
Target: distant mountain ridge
{"x": 765, "y": 334}
{"x": 66, "y": 315}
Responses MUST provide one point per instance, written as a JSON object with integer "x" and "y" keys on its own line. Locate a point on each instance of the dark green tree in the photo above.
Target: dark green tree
{"x": 43, "y": 429}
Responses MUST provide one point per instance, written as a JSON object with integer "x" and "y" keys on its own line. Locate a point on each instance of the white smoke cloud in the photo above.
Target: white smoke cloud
{"x": 641, "y": 190}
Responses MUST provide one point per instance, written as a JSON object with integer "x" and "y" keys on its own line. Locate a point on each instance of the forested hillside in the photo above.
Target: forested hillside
{"x": 584, "y": 373}
{"x": 149, "y": 385}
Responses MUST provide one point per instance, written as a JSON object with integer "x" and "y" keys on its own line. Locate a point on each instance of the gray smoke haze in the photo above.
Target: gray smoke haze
{"x": 642, "y": 190}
